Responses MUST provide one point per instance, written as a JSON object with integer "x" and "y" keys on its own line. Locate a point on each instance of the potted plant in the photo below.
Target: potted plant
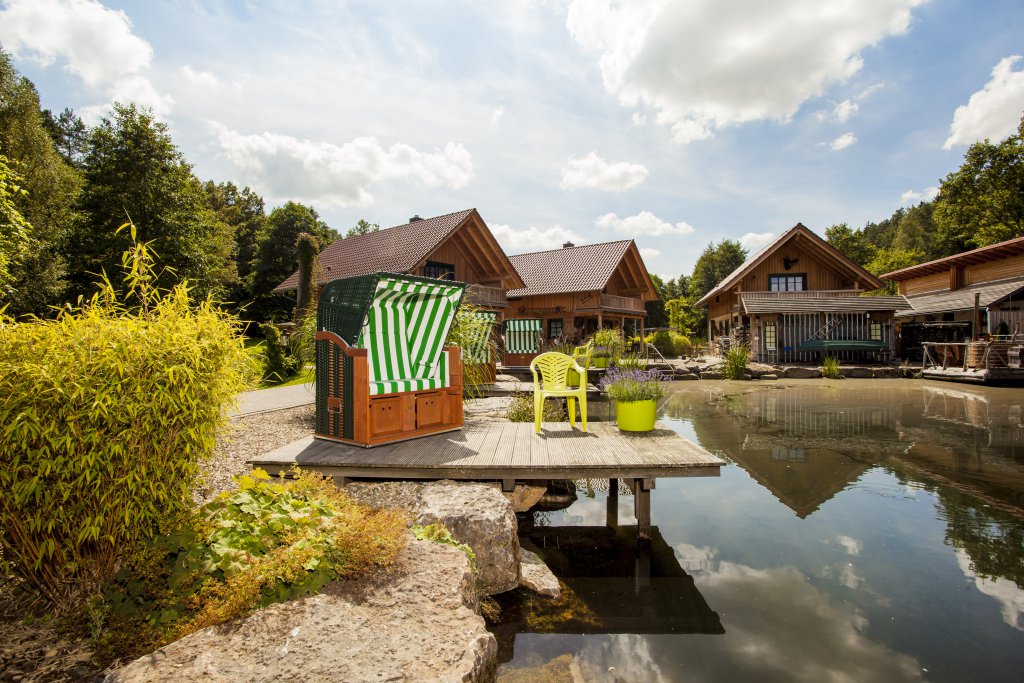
{"x": 608, "y": 345}
{"x": 636, "y": 393}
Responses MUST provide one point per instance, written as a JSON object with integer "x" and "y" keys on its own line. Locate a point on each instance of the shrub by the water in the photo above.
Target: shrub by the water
{"x": 107, "y": 412}
{"x": 278, "y": 363}
{"x": 735, "y": 365}
{"x": 668, "y": 343}
{"x": 830, "y": 367}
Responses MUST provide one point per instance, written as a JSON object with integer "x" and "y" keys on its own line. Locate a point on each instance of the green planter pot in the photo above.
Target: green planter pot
{"x": 636, "y": 416}
{"x": 600, "y": 361}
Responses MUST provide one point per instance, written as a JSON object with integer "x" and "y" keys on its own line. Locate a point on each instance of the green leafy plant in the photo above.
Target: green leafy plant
{"x": 669, "y": 343}
{"x": 265, "y": 542}
{"x": 631, "y": 362}
{"x": 633, "y": 384}
{"x": 465, "y": 331}
{"x": 735, "y": 365}
{"x": 109, "y": 410}
{"x": 440, "y": 534}
{"x": 278, "y": 363}
{"x": 608, "y": 343}
{"x": 830, "y": 367}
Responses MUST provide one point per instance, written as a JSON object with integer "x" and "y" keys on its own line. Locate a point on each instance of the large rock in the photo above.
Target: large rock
{"x": 800, "y": 372}
{"x": 482, "y": 518}
{"x": 536, "y": 576}
{"x": 417, "y": 621}
{"x": 476, "y": 514}
{"x": 886, "y": 372}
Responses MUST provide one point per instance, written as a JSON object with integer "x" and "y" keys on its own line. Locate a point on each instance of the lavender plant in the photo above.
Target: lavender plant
{"x": 633, "y": 384}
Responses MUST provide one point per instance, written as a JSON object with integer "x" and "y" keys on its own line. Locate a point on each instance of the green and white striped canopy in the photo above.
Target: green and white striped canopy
{"x": 523, "y": 335}
{"x": 404, "y": 332}
{"x": 478, "y": 344}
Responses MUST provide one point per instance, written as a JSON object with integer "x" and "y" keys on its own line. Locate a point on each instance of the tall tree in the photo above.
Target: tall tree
{"x": 243, "y": 211}
{"x": 714, "y": 264}
{"x": 277, "y": 257}
{"x": 51, "y": 194}
{"x": 851, "y": 243}
{"x": 982, "y": 202}
{"x": 133, "y": 169}
{"x": 916, "y": 231}
{"x": 70, "y": 135}
{"x": 362, "y": 228}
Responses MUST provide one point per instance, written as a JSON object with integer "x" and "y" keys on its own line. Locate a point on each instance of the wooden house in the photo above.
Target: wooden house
{"x": 941, "y": 296}
{"x": 798, "y": 299}
{"x": 570, "y": 293}
{"x": 457, "y": 246}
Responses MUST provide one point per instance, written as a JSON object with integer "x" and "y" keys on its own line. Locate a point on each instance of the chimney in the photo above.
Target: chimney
{"x": 568, "y": 245}
{"x": 415, "y": 218}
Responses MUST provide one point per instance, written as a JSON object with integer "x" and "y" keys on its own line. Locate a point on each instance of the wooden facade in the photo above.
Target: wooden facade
{"x": 796, "y": 290}
{"x": 611, "y": 295}
{"x": 942, "y": 295}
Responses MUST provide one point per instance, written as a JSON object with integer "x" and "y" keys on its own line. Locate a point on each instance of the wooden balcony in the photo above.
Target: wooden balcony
{"x": 622, "y": 303}
{"x": 486, "y": 296}
{"x": 804, "y": 294}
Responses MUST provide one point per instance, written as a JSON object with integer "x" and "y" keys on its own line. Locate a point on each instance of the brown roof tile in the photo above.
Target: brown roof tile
{"x": 573, "y": 269}
{"x": 395, "y": 250}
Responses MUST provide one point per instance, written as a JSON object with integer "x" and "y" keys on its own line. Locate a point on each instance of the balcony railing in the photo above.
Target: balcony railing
{"x": 804, "y": 294}
{"x": 486, "y": 296}
{"x": 622, "y": 303}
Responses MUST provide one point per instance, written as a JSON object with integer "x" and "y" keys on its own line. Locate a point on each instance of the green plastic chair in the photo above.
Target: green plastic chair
{"x": 552, "y": 381}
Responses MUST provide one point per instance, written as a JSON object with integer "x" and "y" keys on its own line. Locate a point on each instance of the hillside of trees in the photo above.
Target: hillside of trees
{"x": 980, "y": 203}
{"x": 65, "y": 189}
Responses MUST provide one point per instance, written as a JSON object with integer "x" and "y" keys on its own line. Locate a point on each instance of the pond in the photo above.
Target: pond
{"x": 863, "y": 530}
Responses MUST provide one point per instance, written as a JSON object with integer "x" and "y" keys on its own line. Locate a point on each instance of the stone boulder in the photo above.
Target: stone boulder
{"x": 800, "y": 372}
{"x": 855, "y": 372}
{"x": 686, "y": 377}
{"x": 417, "y": 621}
{"x": 768, "y": 376}
{"x": 476, "y": 514}
{"x": 536, "y": 576}
{"x": 885, "y": 373}
{"x": 713, "y": 373}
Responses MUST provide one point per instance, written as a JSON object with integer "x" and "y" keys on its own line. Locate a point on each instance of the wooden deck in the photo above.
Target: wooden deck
{"x": 495, "y": 450}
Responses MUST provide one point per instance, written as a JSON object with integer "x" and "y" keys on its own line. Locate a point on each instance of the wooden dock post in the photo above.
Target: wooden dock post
{"x": 612, "y": 514}
{"x": 642, "y": 506}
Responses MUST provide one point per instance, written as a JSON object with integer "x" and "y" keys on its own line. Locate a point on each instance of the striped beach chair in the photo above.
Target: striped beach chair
{"x": 522, "y": 340}
{"x": 382, "y": 373}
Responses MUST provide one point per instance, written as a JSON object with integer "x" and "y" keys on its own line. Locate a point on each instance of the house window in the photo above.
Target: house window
{"x": 875, "y": 331}
{"x": 770, "y": 340}
{"x": 441, "y": 271}
{"x": 555, "y": 328}
{"x": 795, "y": 282}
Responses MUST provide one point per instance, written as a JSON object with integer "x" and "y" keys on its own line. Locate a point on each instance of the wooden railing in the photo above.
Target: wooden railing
{"x": 622, "y": 303}
{"x": 804, "y": 294}
{"x": 486, "y": 296}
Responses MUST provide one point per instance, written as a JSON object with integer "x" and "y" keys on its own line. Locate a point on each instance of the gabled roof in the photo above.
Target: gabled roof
{"x": 990, "y": 293}
{"x": 813, "y": 243}
{"x": 992, "y": 252}
{"x": 404, "y": 248}
{"x": 586, "y": 268}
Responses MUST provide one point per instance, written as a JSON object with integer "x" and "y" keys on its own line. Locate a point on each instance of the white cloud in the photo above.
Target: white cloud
{"x": 911, "y": 197}
{"x": 643, "y": 223}
{"x": 96, "y": 43}
{"x": 851, "y": 545}
{"x": 592, "y": 171}
{"x": 283, "y": 166}
{"x": 203, "y": 78}
{"x": 994, "y": 111}
{"x": 843, "y": 141}
{"x": 650, "y": 253}
{"x": 533, "y": 238}
{"x": 1004, "y": 591}
{"x": 704, "y": 65}
{"x": 496, "y": 116}
{"x": 844, "y": 110}
{"x": 140, "y": 90}
{"x": 754, "y": 241}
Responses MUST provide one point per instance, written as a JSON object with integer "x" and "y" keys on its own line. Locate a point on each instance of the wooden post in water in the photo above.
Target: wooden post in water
{"x": 642, "y": 506}
{"x": 612, "y": 513}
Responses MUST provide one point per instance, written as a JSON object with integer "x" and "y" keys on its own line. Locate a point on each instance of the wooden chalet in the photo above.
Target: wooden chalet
{"x": 457, "y": 246}
{"x": 941, "y": 296}
{"x": 572, "y": 292}
{"x": 798, "y": 299}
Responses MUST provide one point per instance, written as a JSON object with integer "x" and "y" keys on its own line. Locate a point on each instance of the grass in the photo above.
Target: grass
{"x": 735, "y": 362}
{"x": 254, "y": 347}
{"x": 304, "y": 376}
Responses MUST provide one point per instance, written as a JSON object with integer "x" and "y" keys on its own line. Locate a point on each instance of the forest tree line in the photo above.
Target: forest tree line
{"x": 980, "y": 203}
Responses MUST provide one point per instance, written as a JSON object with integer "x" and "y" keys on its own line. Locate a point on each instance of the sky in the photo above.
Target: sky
{"x": 675, "y": 123}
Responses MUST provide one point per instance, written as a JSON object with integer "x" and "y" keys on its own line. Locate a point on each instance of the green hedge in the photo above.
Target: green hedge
{"x": 108, "y": 411}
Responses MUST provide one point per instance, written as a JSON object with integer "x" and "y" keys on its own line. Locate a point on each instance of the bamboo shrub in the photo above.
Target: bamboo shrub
{"x": 109, "y": 409}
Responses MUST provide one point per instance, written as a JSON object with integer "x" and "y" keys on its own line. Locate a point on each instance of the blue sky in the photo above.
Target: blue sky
{"x": 675, "y": 123}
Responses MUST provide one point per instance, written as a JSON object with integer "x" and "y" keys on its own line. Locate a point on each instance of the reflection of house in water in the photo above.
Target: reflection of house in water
{"x": 806, "y": 446}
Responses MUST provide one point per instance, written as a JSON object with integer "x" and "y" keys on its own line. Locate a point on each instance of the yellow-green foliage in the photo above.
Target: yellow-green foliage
{"x": 439, "y": 533}
{"x": 735, "y": 364}
{"x": 830, "y": 367}
{"x": 265, "y": 542}
{"x": 468, "y": 327}
{"x": 520, "y": 408}
{"x": 107, "y": 412}
{"x": 669, "y": 343}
